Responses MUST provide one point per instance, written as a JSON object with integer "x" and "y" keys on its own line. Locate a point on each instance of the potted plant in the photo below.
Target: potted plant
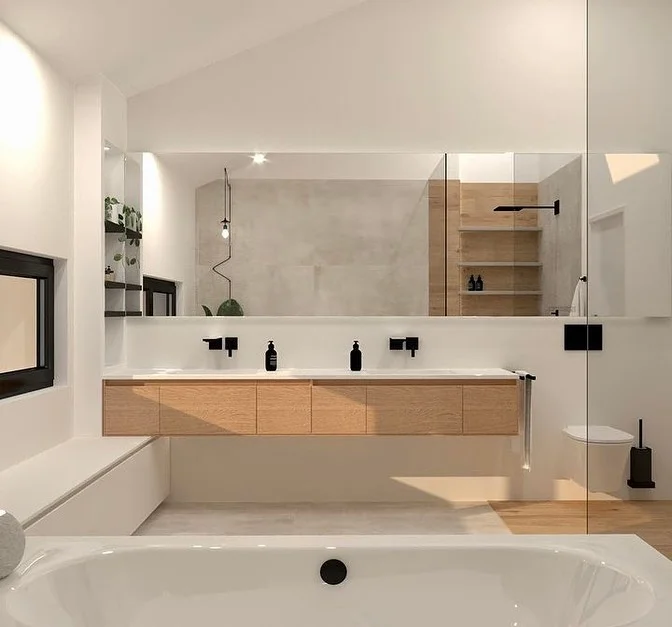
{"x": 230, "y": 307}
{"x": 112, "y": 210}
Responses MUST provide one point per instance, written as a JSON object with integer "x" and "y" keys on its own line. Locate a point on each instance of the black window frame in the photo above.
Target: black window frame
{"x": 41, "y": 269}
{"x": 151, "y": 286}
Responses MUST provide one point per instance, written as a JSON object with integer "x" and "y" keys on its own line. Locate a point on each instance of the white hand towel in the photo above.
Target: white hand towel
{"x": 579, "y": 301}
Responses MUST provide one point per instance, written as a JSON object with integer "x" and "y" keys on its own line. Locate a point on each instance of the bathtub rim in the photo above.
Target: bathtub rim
{"x": 627, "y": 554}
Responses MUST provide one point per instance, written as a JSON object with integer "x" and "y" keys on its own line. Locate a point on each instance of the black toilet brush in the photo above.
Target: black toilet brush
{"x": 641, "y": 464}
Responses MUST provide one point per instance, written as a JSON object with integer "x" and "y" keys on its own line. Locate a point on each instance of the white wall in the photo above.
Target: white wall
{"x": 388, "y": 75}
{"x": 380, "y": 468}
{"x": 36, "y": 194}
{"x": 629, "y": 111}
{"x": 169, "y": 220}
{"x": 630, "y": 252}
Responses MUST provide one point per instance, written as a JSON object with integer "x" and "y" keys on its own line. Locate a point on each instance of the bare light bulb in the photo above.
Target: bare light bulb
{"x": 226, "y": 233}
{"x": 259, "y": 158}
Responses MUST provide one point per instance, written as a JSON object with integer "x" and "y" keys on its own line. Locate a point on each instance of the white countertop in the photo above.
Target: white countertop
{"x": 163, "y": 374}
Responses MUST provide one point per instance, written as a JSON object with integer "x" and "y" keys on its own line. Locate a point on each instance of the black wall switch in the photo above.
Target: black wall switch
{"x": 583, "y": 337}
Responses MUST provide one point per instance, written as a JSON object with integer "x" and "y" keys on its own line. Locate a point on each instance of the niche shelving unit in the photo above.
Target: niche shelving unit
{"x": 502, "y": 247}
{"x": 122, "y": 180}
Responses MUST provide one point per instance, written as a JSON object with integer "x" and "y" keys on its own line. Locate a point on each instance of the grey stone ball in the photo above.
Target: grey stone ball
{"x": 12, "y": 543}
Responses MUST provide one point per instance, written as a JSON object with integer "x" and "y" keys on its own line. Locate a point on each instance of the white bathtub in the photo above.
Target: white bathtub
{"x": 402, "y": 581}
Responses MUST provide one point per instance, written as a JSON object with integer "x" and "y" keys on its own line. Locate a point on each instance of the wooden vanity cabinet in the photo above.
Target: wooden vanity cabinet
{"x": 213, "y": 409}
{"x": 490, "y": 409}
{"x": 131, "y": 410}
{"x": 338, "y": 409}
{"x": 414, "y": 409}
{"x": 283, "y": 408}
{"x": 332, "y": 407}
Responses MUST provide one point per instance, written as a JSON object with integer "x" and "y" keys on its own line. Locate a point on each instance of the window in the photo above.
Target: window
{"x": 26, "y": 323}
{"x": 160, "y": 297}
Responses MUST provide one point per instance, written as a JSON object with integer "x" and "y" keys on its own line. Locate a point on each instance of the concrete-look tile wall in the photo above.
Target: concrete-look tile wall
{"x": 560, "y": 244}
{"x": 317, "y": 247}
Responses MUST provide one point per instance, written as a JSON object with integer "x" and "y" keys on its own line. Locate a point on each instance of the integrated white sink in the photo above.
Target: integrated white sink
{"x": 309, "y": 373}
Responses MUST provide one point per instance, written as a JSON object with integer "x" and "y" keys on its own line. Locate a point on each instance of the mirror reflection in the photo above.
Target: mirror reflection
{"x": 422, "y": 234}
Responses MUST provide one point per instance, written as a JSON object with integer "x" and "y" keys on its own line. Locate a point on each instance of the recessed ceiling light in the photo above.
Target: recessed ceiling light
{"x": 259, "y": 158}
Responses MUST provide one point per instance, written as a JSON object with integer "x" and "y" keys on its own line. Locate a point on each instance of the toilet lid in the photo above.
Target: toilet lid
{"x": 598, "y": 434}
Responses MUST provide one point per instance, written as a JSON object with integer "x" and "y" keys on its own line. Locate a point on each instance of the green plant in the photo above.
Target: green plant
{"x": 110, "y": 203}
{"x": 118, "y": 257}
{"x": 230, "y": 307}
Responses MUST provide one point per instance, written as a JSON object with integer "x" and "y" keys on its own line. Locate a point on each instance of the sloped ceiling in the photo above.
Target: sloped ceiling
{"x": 139, "y": 44}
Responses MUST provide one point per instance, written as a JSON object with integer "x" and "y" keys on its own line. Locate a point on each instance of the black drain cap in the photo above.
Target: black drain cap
{"x": 333, "y": 572}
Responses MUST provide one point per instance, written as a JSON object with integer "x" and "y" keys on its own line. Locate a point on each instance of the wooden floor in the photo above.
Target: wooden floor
{"x": 650, "y": 520}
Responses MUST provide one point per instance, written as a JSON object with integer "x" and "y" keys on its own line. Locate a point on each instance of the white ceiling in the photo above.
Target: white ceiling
{"x": 139, "y": 44}
{"x": 202, "y": 168}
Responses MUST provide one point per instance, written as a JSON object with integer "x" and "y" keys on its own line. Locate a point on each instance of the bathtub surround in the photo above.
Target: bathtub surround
{"x": 317, "y": 247}
{"x": 307, "y": 519}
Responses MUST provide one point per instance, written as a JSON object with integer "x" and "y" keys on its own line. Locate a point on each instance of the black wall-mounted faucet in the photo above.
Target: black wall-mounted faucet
{"x": 230, "y": 345}
{"x": 214, "y": 343}
{"x": 409, "y": 343}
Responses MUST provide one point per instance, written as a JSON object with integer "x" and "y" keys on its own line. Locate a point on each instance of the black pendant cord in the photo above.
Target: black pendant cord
{"x": 226, "y": 221}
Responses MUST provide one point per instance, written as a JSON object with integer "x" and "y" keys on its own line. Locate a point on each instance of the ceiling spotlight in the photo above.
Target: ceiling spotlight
{"x": 107, "y": 148}
{"x": 259, "y": 158}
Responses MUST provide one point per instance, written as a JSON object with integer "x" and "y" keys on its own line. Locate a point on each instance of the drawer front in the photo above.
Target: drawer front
{"x": 208, "y": 410}
{"x": 414, "y": 410}
{"x": 283, "y": 409}
{"x": 339, "y": 410}
{"x": 131, "y": 410}
{"x": 491, "y": 410}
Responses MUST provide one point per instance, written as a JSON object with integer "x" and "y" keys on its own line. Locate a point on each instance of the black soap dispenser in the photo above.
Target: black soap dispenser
{"x": 471, "y": 285}
{"x": 271, "y": 358}
{"x": 479, "y": 284}
{"x": 355, "y": 357}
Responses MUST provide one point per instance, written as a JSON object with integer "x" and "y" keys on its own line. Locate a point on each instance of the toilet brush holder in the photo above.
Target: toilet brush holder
{"x": 641, "y": 465}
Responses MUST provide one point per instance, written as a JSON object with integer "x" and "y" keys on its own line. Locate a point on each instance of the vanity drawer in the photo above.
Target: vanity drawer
{"x": 283, "y": 408}
{"x": 414, "y": 410}
{"x": 491, "y": 409}
{"x": 217, "y": 409}
{"x": 339, "y": 410}
{"x": 131, "y": 410}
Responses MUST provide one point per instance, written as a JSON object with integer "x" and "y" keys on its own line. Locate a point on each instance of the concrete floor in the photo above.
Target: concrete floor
{"x": 323, "y": 519}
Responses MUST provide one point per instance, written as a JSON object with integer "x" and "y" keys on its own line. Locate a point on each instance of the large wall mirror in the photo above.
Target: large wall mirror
{"x": 429, "y": 234}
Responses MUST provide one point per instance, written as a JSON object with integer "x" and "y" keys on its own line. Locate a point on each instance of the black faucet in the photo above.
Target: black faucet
{"x": 230, "y": 345}
{"x": 214, "y": 343}
{"x": 410, "y": 344}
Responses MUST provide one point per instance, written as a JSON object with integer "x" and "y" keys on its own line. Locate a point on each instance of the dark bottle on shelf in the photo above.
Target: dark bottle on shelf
{"x": 271, "y": 358}
{"x": 355, "y": 357}
{"x": 479, "y": 284}
{"x": 471, "y": 285}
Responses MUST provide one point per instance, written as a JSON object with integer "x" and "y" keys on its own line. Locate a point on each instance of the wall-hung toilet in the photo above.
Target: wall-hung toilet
{"x": 608, "y": 454}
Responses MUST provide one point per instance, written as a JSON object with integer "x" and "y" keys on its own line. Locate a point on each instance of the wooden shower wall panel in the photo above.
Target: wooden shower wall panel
{"x": 444, "y": 271}
{"x": 453, "y": 255}
{"x": 437, "y": 248}
{"x": 500, "y": 246}
{"x": 479, "y": 199}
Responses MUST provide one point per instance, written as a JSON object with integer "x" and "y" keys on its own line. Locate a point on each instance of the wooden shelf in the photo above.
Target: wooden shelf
{"x": 499, "y": 293}
{"x": 133, "y": 287}
{"x": 115, "y": 314}
{"x": 131, "y": 234}
{"x": 500, "y": 229}
{"x": 500, "y": 264}
{"x": 133, "y": 314}
{"x": 114, "y": 285}
{"x": 113, "y": 227}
